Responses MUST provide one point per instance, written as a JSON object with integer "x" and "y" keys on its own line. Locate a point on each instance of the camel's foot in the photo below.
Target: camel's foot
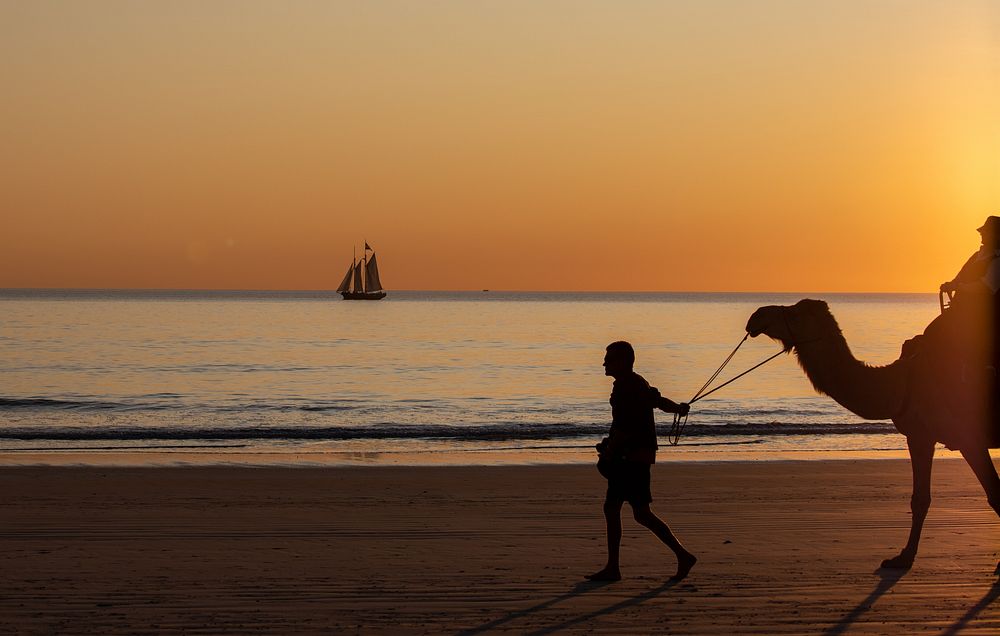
{"x": 900, "y": 562}
{"x": 607, "y": 574}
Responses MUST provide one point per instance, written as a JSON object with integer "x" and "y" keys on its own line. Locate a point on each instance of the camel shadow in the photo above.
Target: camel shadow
{"x": 888, "y": 578}
{"x": 577, "y": 590}
{"x": 991, "y": 595}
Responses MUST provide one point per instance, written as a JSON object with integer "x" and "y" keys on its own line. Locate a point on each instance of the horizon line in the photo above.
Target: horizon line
{"x": 448, "y": 291}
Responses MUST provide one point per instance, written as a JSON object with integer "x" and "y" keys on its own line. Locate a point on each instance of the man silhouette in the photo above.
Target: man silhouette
{"x": 628, "y": 452}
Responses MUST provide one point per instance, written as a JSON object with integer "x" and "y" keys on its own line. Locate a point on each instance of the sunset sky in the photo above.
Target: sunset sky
{"x": 710, "y": 145}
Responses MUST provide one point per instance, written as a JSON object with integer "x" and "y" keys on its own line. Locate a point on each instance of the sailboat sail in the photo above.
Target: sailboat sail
{"x": 357, "y": 278}
{"x": 361, "y": 282}
{"x": 372, "y": 283}
{"x": 345, "y": 285}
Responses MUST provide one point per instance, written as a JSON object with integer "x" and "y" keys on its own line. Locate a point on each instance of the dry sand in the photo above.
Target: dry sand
{"x": 785, "y": 547}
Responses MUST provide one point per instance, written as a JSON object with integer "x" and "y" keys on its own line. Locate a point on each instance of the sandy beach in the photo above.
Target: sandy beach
{"x": 785, "y": 548}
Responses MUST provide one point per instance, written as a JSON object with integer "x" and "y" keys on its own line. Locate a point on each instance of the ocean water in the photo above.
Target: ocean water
{"x": 420, "y": 377}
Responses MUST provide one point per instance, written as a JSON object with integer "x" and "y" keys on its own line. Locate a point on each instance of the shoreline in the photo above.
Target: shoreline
{"x": 423, "y": 459}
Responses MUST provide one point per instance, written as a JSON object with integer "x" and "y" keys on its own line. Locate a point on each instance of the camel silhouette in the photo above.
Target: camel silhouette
{"x": 928, "y": 399}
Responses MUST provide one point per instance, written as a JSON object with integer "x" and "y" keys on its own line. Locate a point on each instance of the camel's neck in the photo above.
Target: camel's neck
{"x": 874, "y": 393}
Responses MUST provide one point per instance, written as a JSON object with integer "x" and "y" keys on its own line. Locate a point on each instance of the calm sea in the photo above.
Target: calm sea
{"x": 420, "y": 377}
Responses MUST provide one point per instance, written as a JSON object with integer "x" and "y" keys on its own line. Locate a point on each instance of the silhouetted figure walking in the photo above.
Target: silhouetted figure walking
{"x": 627, "y": 454}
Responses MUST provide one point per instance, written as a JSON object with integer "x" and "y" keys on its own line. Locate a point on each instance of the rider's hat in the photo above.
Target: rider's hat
{"x": 992, "y": 223}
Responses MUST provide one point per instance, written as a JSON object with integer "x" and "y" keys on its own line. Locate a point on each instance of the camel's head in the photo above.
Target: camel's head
{"x": 805, "y": 321}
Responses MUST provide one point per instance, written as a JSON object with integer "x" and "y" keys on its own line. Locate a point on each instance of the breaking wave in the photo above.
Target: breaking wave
{"x": 493, "y": 432}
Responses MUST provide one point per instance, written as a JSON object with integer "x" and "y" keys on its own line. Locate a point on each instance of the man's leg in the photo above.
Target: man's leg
{"x": 613, "y": 518}
{"x": 645, "y": 517}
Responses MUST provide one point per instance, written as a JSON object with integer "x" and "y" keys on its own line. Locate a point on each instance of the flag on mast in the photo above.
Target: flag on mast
{"x": 368, "y": 248}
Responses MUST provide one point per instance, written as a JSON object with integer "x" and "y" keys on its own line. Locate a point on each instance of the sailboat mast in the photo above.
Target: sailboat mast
{"x": 364, "y": 260}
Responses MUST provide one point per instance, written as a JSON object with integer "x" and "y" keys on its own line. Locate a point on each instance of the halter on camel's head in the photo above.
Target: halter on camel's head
{"x": 793, "y": 325}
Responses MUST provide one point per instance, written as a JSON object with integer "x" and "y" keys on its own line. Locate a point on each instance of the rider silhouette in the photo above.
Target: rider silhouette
{"x": 982, "y": 271}
{"x": 963, "y": 340}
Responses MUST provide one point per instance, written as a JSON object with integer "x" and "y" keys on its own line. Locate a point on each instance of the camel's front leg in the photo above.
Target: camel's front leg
{"x": 921, "y": 458}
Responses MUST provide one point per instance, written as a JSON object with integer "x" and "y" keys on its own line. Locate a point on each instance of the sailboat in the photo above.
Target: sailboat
{"x": 361, "y": 281}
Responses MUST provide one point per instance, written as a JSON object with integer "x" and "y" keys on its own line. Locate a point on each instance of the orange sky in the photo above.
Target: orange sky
{"x": 727, "y": 145}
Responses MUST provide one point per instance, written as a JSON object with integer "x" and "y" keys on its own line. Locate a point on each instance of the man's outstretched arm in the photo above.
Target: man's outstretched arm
{"x": 668, "y": 405}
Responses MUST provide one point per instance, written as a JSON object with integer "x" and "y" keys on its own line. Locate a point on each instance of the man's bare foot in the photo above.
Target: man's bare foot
{"x": 607, "y": 574}
{"x": 684, "y": 564}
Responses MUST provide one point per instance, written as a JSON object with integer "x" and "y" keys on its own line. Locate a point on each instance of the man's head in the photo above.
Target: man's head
{"x": 990, "y": 231}
{"x": 619, "y": 358}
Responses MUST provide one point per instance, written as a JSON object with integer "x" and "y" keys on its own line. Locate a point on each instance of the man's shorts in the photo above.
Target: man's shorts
{"x": 629, "y": 481}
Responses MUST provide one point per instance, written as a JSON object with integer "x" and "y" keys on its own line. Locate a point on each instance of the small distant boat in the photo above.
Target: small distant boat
{"x": 361, "y": 281}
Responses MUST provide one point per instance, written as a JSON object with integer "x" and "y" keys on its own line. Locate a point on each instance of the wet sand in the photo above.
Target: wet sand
{"x": 785, "y": 547}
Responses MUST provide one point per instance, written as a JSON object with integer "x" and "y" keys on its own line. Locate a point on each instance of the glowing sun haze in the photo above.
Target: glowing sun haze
{"x": 726, "y": 145}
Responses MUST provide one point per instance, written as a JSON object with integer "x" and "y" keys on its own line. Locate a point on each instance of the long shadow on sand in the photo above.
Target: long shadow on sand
{"x": 987, "y": 600}
{"x": 611, "y": 609}
{"x": 888, "y": 579}
{"x": 577, "y": 590}
{"x": 580, "y": 588}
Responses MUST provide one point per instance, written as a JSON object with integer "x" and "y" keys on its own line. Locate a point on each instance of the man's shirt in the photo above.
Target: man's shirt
{"x": 633, "y": 429}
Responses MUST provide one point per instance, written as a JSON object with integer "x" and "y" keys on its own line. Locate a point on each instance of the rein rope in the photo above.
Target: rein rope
{"x": 680, "y": 421}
